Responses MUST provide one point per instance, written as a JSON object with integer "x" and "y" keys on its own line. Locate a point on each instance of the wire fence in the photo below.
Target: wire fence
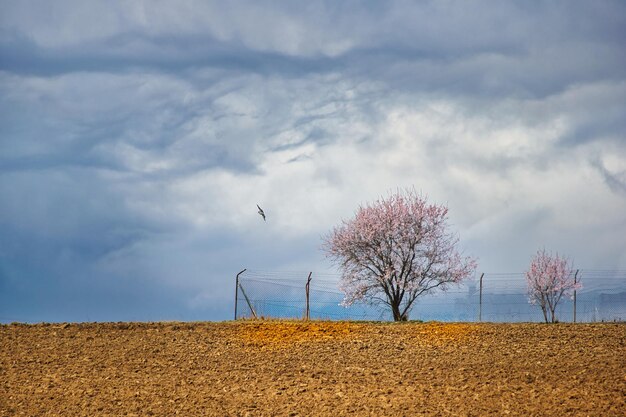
{"x": 492, "y": 297}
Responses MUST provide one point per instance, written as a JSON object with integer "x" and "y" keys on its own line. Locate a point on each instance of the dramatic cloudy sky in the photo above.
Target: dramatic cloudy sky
{"x": 136, "y": 139}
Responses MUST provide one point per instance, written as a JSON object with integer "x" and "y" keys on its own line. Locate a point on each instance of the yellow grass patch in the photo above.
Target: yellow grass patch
{"x": 281, "y": 334}
{"x": 439, "y": 333}
{"x": 278, "y": 334}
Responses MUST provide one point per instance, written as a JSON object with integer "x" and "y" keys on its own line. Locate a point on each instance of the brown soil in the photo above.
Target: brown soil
{"x": 318, "y": 368}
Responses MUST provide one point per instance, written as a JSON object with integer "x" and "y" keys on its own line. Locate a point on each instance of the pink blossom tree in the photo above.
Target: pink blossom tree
{"x": 395, "y": 250}
{"x": 549, "y": 278}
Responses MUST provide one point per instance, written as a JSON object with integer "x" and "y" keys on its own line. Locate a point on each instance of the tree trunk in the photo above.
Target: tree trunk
{"x": 545, "y": 313}
{"x": 395, "y": 309}
{"x": 397, "y": 315}
{"x": 552, "y": 319}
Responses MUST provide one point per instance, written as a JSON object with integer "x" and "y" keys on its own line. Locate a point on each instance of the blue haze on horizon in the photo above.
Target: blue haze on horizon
{"x": 136, "y": 139}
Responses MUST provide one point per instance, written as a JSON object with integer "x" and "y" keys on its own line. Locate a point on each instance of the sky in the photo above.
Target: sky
{"x": 137, "y": 138}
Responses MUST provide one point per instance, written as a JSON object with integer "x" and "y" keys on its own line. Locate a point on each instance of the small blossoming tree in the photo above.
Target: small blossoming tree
{"x": 549, "y": 278}
{"x": 395, "y": 250}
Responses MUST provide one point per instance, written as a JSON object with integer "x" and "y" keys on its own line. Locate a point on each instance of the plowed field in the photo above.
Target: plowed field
{"x": 275, "y": 368}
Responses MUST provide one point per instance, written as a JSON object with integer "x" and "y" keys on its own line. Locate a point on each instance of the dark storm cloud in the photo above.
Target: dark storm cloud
{"x": 493, "y": 48}
{"x": 84, "y": 121}
{"x": 615, "y": 181}
{"x": 155, "y": 53}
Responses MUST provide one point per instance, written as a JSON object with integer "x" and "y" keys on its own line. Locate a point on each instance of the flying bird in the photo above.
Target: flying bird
{"x": 261, "y": 212}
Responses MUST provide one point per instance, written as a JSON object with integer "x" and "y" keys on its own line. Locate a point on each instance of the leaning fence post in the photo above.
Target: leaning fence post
{"x": 575, "y": 276}
{"x": 308, "y": 281}
{"x": 248, "y": 301}
{"x": 480, "y": 298}
{"x": 237, "y": 290}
